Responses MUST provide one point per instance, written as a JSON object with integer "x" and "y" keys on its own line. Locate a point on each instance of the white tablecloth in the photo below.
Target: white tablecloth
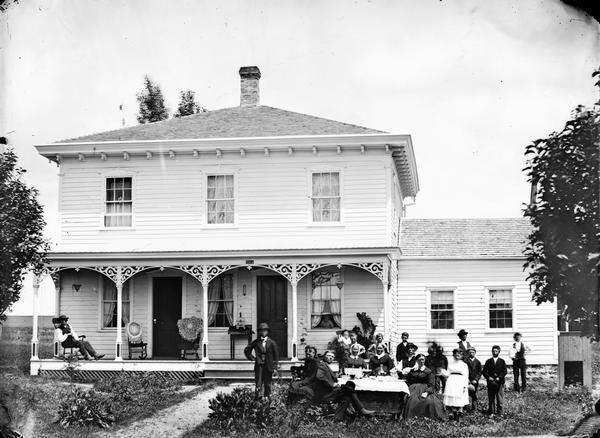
{"x": 381, "y": 384}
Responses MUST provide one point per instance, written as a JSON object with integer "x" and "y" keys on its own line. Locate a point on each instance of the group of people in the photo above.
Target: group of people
{"x": 438, "y": 387}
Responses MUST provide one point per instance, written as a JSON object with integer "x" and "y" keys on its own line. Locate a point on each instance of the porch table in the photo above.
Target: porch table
{"x": 385, "y": 394}
{"x": 234, "y": 332}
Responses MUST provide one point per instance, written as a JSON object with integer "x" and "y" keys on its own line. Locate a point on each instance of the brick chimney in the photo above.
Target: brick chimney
{"x": 250, "y": 95}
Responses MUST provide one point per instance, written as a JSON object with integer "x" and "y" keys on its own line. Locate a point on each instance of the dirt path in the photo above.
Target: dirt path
{"x": 173, "y": 421}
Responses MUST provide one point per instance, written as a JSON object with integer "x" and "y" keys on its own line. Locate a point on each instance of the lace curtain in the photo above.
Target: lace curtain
{"x": 109, "y": 304}
{"x": 326, "y": 298}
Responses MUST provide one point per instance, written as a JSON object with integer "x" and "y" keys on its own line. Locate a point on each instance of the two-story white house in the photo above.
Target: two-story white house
{"x": 259, "y": 214}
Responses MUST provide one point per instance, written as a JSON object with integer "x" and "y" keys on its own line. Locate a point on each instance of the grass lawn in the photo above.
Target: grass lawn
{"x": 538, "y": 411}
{"x": 34, "y": 401}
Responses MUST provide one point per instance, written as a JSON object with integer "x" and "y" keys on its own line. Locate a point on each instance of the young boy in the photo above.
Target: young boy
{"x": 475, "y": 370}
{"x": 494, "y": 372}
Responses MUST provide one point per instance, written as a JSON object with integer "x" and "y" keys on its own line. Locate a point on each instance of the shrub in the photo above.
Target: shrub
{"x": 240, "y": 411}
{"x": 132, "y": 395}
{"x": 84, "y": 408}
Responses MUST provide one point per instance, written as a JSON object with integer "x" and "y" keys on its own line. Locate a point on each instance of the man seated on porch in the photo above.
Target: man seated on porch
{"x": 69, "y": 339}
{"x": 381, "y": 363}
{"x": 326, "y": 388}
{"x": 378, "y": 341}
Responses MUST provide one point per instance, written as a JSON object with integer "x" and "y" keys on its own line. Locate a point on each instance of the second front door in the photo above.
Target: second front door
{"x": 271, "y": 305}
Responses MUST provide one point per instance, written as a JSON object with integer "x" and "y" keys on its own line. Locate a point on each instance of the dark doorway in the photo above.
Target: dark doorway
{"x": 574, "y": 372}
{"x": 271, "y": 305}
{"x": 166, "y": 309}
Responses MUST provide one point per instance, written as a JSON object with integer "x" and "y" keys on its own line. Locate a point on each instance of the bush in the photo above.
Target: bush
{"x": 240, "y": 411}
{"x": 84, "y": 408}
{"x": 133, "y": 395}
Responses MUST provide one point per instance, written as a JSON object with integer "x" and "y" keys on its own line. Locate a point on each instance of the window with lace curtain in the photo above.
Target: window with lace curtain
{"x": 220, "y": 301}
{"x": 119, "y": 202}
{"x": 326, "y": 197}
{"x": 220, "y": 199}
{"x": 326, "y": 300}
{"x": 109, "y": 304}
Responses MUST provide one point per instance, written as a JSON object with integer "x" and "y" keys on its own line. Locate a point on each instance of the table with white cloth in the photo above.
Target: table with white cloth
{"x": 384, "y": 394}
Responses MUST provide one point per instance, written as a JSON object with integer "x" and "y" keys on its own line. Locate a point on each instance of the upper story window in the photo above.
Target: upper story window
{"x": 220, "y": 199}
{"x": 326, "y": 197}
{"x": 442, "y": 309}
{"x": 119, "y": 203}
{"x": 500, "y": 311}
{"x": 326, "y": 300}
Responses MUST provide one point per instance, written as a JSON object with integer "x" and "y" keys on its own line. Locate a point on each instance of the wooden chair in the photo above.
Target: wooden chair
{"x": 135, "y": 340}
{"x": 189, "y": 330}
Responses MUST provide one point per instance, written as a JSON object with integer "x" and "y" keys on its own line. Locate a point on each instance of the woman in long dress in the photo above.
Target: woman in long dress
{"x": 422, "y": 402}
{"x": 456, "y": 394}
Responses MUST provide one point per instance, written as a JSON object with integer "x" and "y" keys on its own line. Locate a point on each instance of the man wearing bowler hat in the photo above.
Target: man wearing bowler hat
{"x": 463, "y": 344}
{"x": 264, "y": 353}
{"x": 67, "y": 337}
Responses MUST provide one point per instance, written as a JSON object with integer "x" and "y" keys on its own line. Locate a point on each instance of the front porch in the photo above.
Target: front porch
{"x": 157, "y": 289}
{"x": 182, "y": 370}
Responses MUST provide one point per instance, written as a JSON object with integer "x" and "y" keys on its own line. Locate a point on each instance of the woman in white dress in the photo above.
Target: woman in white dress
{"x": 456, "y": 394}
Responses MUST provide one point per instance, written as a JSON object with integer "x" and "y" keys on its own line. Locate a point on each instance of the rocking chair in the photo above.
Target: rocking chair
{"x": 135, "y": 340}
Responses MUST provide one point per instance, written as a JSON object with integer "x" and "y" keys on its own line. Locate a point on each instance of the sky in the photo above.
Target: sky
{"x": 473, "y": 82}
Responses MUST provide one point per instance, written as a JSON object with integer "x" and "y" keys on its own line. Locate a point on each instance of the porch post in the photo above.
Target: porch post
{"x": 294, "y": 315}
{"x": 386, "y": 313}
{"x": 34, "y": 332}
{"x": 205, "y": 284}
{"x": 119, "y": 340}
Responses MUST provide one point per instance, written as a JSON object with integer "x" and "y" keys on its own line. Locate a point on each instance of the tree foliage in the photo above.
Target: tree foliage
{"x": 22, "y": 245}
{"x": 563, "y": 250}
{"x": 151, "y": 102}
{"x": 188, "y": 105}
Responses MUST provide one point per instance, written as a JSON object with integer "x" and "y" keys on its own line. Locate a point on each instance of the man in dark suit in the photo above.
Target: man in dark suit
{"x": 264, "y": 353}
{"x": 494, "y": 372}
{"x": 463, "y": 344}
{"x": 326, "y": 388}
{"x": 402, "y": 348}
{"x": 475, "y": 370}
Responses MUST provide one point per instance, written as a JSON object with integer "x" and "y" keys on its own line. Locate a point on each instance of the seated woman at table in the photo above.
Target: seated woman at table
{"x": 354, "y": 342}
{"x": 456, "y": 394}
{"x": 355, "y": 360}
{"x": 422, "y": 401}
{"x": 405, "y": 365}
{"x": 381, "y": 363}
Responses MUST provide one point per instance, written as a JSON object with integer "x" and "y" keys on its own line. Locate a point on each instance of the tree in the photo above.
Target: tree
{"x": 188, "y": 105}
{"x": 22, "y": 245}
{"x": 563, "y": 250}
{"x": 152, "y": 103}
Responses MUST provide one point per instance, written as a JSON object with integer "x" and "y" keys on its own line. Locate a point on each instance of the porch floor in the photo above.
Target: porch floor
{"x": 175, "y": 368}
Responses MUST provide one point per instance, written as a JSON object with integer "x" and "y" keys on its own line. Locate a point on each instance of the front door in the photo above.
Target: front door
{"x": 166, "y": 305}
{"x": 271, "y": 305}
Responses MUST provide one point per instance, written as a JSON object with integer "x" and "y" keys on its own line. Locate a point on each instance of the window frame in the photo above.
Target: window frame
{"x": 222, "y": 172}
{"x": 117, "y": 174}
{"x": 101, "y": 280}
{"x": 308, "y": 279}
{"x": 429, "y": 291}
{"x": 329, "y": 169}
{"x": 513, "y": 327}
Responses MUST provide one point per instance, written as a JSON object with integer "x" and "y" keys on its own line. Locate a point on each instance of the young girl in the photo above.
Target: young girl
{"x": 456, "y": 394}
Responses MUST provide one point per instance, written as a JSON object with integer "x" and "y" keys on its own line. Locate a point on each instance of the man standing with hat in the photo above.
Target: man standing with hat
{"x": 475, "y": 371}
{"x": 463, "y": 344}
{"x": 264, "y": 353}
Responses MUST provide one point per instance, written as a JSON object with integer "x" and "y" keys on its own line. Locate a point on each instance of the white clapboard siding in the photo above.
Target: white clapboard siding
{"x": 272, "y": 203}
{"x": 470, "y": 280}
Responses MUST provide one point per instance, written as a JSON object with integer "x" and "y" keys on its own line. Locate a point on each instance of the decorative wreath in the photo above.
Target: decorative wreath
{"x": 189, "y": 328}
